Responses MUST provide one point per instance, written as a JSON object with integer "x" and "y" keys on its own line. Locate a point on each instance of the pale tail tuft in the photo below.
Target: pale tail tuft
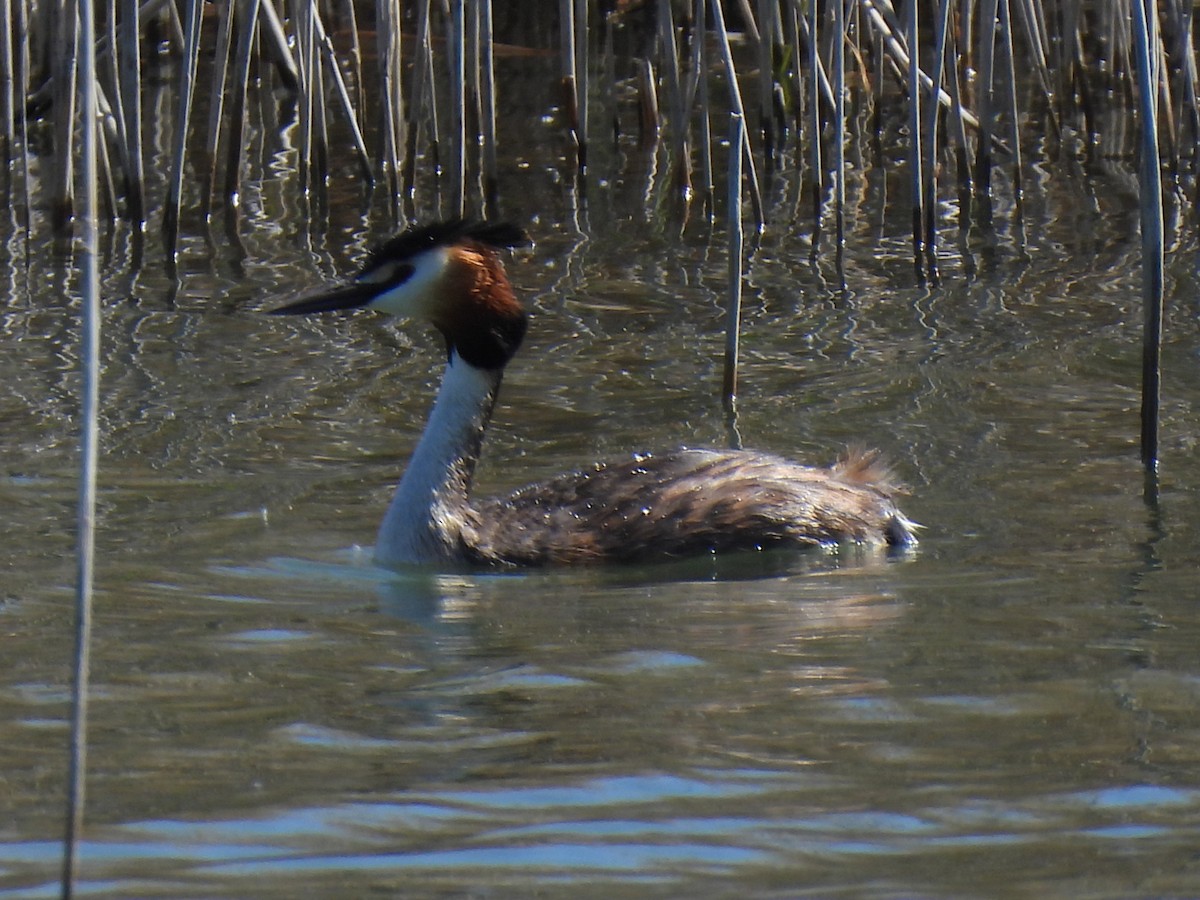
{"x": 862, "y": 466}
{"x": 865, "y": 466}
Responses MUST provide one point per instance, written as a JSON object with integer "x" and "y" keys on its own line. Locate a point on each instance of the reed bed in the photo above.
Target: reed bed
{"x": 431, "y": 97}
{"x": 408, "y": 87}
{"x": 811, "y": 66}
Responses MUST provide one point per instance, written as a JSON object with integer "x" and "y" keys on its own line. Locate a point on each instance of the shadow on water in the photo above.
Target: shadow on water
{"x": 430, "y": 598}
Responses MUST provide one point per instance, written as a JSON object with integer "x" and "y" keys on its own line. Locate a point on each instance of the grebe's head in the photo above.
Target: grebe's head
{"x": 447, "y": 273}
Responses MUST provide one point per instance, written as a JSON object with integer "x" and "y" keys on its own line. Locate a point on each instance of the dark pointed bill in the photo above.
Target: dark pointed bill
{"x": 353, "y": 295}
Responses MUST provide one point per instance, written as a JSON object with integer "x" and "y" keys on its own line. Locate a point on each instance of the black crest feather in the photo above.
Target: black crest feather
{"x": 408, "y": 243}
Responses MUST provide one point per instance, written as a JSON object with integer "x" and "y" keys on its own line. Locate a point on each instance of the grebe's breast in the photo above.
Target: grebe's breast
{"x": 687, "y": 502}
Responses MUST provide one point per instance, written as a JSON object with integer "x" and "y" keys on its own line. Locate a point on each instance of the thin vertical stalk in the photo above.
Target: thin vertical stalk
{"x": 809, "y": 31}
{"x": 733, "y": 309}
{"x": 220, "y": 76}
{"x": 767, "y": 9}
{"x": 817, "y": 163}
{"x": 89, "y": 356}
{"x": 570, "y": 94}
{"x": 735, "y": 97}
{"x": 130, "y": 89}
{"x": 7, "y": 73}
{"x": 1120, "y": 36}
{"x": 1166, "y": 109}
{"x": 929, "y": 186}
{"x": 317, "y": 94}
{"x": 458, "y": 105}
{"x": 1067, "y": 50}
{"x": 581, "y": 84}
{"x": 302, "y": 22}
{"x": 342, "y": 93}
{"x": 881, "y": 34}
{"x": 108, "y": 122}
{"x": 187, "y": 83}
{"x": 608, "y": 77}
{"x": 680, "y": 164}
{"x": 21, "y": 58}
{"x": 1190, "y": 112}
{"x": 958, "y": 129}
{"x": 391, "y": 23}
{"x": 487, "y": 102}
{"x": 966, "y": 36}
{"x": 474, "y": 89}
{"x": 174, "y": 24}
{"x": 65, "y": 66}
{"x": 435, "y": 125}
{"x": 1035, "y": 31}
{"x": 387, "y": 36}
{"x": 985, "y": 81}
{"x": 704, "y": 139}
{"x": 649, "y": 119}
{"x": 1145, "y": 38}
{"x": 43, "y": 21}
{"x": 914, "y": 128}
{"x": 314, "y": 126}
{"x": 839, "y": 129}
{"x": 1006, "y": 56}
{"x": 791, "y": 15}
{"x": 421, "y": 86}
{"x": 275, "y": 41}
{"x": 249, "y": 20}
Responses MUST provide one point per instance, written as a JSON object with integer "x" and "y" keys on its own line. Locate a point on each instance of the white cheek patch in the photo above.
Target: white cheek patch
{"x": 412, "y": 296}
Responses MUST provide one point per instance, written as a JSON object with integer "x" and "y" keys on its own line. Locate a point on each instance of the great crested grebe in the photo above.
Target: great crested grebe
{"x": 680, "y": 503}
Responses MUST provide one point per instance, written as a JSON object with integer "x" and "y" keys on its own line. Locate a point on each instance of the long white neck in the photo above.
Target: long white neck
{"x": 426, "y": 519}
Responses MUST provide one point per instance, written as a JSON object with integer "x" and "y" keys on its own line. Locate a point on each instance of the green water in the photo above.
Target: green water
{"x": 1010, "y": 712}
